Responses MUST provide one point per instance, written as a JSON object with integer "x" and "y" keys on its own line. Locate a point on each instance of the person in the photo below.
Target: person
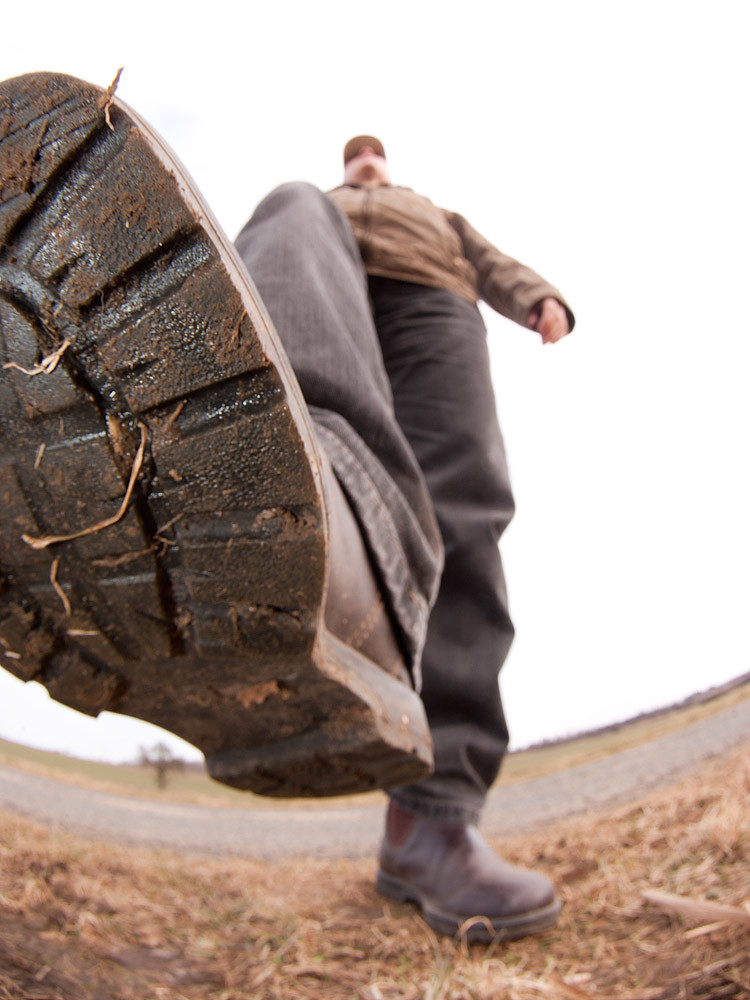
{"x": 425, "y": 270}
{"x": 373, "y": 293}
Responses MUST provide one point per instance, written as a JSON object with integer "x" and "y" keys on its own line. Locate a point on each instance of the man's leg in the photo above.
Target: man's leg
{"x": 304, "y": 260}
{"x": 435, "y": 353}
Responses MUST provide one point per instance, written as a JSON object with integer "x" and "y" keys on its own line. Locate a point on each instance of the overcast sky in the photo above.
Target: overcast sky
{"x": 606, "y": 146}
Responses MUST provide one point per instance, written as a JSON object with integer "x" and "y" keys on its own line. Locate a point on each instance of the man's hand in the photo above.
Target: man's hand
{"x": 549, "y": 318}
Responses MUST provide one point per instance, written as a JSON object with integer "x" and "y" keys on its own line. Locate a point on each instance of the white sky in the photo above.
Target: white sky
{"x": 607, "y": 146}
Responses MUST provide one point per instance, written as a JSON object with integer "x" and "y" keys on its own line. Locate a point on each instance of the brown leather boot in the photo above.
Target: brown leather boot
{"x": 459, "y": 882}
{"x": 355, "y": 610}
{"x": 164, "y": 525}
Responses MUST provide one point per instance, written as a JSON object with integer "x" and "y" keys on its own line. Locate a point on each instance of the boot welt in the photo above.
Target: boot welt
{"x": 472, "y": 927}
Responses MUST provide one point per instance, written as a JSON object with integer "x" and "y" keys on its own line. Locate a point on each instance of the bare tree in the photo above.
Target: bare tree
{"x": 161, "y": 759}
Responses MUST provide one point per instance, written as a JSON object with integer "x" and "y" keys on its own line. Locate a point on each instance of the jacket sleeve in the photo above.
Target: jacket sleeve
{"x": 511, "y": 288}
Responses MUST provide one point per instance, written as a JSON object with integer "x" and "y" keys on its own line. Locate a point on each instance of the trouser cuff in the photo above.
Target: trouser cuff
{"x": 437, "y": 809}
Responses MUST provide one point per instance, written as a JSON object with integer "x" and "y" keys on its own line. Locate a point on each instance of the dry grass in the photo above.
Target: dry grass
{"x": 81, "y": 920}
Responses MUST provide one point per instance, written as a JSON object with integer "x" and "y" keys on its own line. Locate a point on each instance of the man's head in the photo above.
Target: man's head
{"x": 364, "y": 162}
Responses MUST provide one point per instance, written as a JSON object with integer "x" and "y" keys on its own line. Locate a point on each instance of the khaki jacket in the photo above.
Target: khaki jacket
{"x": 403, "y": 235}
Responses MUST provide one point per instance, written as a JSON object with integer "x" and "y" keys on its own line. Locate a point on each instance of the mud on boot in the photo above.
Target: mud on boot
{"x": 164, "y": 548}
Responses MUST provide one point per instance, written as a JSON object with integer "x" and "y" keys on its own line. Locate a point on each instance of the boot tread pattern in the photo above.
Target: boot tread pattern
{"x": 212, "y": 580}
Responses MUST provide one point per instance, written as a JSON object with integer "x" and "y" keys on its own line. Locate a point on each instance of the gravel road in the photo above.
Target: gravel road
{"x": 331, "y": 830}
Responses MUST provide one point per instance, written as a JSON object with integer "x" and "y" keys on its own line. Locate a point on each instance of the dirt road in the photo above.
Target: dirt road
{"x": 331, "y": 830}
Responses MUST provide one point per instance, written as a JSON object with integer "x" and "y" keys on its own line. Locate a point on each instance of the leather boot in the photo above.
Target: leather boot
{"x": 459, "y": 882}
{"x": 355, "y": 610}
{"x": 169, "y": 549}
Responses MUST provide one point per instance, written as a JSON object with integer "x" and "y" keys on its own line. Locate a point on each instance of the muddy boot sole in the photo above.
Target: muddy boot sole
{"x": 164, "y": 545}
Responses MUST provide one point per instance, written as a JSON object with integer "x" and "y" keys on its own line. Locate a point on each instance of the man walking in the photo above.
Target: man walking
{"x": 266, "y": 628}
{"x": 426, "y": 268}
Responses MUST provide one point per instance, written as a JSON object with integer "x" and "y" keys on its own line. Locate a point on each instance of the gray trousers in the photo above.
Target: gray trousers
{"x": 396, "y": 376}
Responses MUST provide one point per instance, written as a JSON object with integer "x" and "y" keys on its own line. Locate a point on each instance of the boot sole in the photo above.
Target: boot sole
{"x": 199, "y": 606}
{"x": 474, "y": 928}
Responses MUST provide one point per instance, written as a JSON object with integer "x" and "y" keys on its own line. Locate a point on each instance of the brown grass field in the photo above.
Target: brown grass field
{"x": 657, "y": 907}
